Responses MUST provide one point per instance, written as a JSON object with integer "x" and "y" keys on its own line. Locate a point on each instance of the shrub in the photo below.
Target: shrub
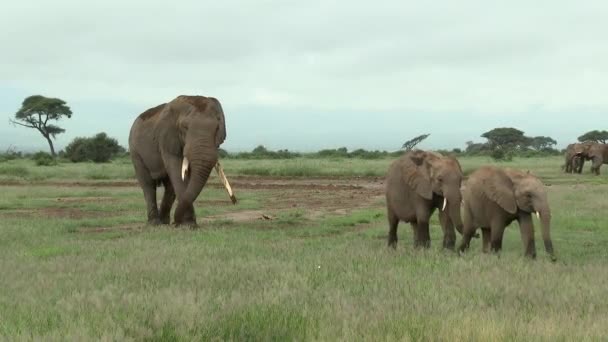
{"x": 99, "y": 149}
{"x": 76, "y": 150}
{"x": 222, "y": 153}
{"x": 43, "y": 159}
{"x": 500, "y": 154}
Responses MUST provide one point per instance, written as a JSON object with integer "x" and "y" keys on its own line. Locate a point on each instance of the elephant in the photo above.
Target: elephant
{"x": 418, "y": 183}
{"x": 176, "y": 145}
{"x": 494, "y": 198}
{"x": 599, "y": 155}
{"x": 575, "y": 157}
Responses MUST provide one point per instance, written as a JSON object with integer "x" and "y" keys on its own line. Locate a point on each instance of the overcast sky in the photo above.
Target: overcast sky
{"x": 310, "y": 74}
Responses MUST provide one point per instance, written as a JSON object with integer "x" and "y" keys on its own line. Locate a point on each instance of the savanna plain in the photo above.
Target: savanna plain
{"x": 302, "y": 256}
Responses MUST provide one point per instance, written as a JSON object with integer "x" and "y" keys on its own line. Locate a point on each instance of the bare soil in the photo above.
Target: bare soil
{"x": 312, "y": 197}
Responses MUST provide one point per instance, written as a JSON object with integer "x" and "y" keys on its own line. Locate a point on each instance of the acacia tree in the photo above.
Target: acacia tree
{"x": 36, "y": 112}
{"x": 541, "y": 143}
{"x": 410, "y": 144}
{"x": 597, "y": 136}
{"x": 506, "y": 138}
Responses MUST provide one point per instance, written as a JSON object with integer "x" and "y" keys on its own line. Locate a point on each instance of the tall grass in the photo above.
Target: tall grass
{"x": 298, "y": 277}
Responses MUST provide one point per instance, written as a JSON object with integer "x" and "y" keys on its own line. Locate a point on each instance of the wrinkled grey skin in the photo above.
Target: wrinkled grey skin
{"x": 494, "y": 198}
{"x": 416, "y": 185}
{"x": 599, "y": 155}
{"x": 160, "y": 138}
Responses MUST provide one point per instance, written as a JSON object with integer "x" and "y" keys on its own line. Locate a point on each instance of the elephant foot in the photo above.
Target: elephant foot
{"x": 186, "y": 224}
{"x": 422, "y": 245}
{"x": 165, "y": 220}
{"x": 154, "y": 222}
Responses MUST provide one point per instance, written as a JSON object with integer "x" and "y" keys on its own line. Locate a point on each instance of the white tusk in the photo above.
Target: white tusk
{"x": 224, "y": 180}
{"x": 445, "y": 204}
{"x": 185, "y": 165}
{"x": 538, "y": 215}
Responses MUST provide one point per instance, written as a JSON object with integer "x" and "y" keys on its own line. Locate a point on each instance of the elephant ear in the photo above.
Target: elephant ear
{"x": 220, "y": 135}
{"x": 499, "y": 189}
{"x": 415, "y": 176}
{"x": 417, "y": 181}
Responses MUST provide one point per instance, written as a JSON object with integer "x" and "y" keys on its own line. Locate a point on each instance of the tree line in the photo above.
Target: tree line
{"x": 42, "y": 113}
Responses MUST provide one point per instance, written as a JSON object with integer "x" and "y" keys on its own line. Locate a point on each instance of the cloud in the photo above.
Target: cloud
{"x": 456, "y": 60}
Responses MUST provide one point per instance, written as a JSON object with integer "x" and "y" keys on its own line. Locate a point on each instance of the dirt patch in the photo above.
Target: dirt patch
{"x": 85, "y": 199}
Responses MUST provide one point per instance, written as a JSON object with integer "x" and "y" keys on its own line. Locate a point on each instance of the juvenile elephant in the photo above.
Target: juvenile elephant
{"x": 494, "y": 198}
{"x": 599, "y": 155}
{"x": 176, "y": 145}
{"x": 418, "y": 183}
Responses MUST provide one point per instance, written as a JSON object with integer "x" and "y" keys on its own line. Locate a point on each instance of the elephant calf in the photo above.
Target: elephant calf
{"x": 418, "y": 183}
{"x": 493, "y": 198}
{"x": 176, "y": 145}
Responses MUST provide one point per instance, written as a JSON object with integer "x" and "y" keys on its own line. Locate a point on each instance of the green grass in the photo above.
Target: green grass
{"x": 77, "y": 263}
{"x": 549, "y": 169}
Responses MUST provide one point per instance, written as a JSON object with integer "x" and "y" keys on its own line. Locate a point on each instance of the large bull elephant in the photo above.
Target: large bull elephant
{"x": 176, "y": 145}
{"x": 418, "y": 183}
{"x": 599, "y": 155}
{"x": 494, "y": 198}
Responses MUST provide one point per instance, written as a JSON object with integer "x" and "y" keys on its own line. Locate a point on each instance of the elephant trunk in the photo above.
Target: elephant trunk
{"x": 202, "y": 160}
{"x": 545, "y": 221}
{"x": 452, "y": 201}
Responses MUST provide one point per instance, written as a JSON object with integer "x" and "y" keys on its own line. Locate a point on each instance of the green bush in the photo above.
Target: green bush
{"x": 99, "y": 149}
{"x": 262, "y": 152}
{"x": 43, "y": 159}
{"x": 500, "y": 154}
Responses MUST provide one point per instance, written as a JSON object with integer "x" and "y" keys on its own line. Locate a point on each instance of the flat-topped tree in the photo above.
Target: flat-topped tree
{"x": 597, "y": 136}
{"x": 36, "y": 112}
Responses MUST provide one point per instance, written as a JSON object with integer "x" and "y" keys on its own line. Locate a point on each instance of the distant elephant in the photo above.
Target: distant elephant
{"x": 418, "y": 183}
{"x": 575, "y": 157}
{"x": 176, "y": 145}
{"x": 599, "y": 155}
{"x": 494, "y": 198}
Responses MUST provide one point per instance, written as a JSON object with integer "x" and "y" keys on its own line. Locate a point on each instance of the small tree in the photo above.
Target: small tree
{"x": 410, "y": 144}
{"x": 504, "y": 141}
{"x": 36, "y": 112}
{"x": 542, "y": 143}
{"x": 597, "y": 136}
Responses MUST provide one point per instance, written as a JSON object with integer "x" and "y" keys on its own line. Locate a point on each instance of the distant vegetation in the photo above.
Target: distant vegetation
{"x": 502, "y": 144}
{"x": 99, "y": 149}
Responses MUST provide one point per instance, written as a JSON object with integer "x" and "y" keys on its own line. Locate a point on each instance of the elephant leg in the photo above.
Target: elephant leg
{"x": 526, "y": 228}
{"x": 184, "y": 213}
{"x": 167, "y": 202}
{"x": 486, "y": 236}
{"x": 423, "y": 236}
{"x": 496, "y": 233}
{"x": 148, "y": 186}
{"x": 449, "y": 232}
{"x": 393, "y": 223}
{"x": 414, "y": 233}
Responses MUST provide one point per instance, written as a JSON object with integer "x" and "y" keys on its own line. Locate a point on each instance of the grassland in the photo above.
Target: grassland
{"x": 76, "y": 262}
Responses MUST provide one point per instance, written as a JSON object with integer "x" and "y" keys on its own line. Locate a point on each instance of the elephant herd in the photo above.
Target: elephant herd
{"x": 577, "y": 154}
{"x": 176, "y": 145}
{"x": 421, "y": 182}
